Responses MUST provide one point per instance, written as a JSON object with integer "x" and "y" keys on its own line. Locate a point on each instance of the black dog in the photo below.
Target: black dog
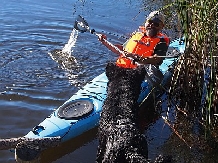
{"x": 120, "y": 140}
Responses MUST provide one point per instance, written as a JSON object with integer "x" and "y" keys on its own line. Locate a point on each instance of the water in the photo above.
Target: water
{"x": 34, "y": 81}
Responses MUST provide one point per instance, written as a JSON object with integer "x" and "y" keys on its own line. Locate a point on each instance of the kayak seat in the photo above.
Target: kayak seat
{"x": 75, "y": 109}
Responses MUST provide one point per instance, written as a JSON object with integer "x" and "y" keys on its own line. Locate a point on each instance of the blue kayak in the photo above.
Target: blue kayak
{"x": 82, "y": 111}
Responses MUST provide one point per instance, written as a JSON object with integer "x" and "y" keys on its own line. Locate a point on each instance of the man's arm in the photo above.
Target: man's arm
{"x": 102, "y": 39}
{"x": 160, "y": 50}
{"x": 154, "y": 60}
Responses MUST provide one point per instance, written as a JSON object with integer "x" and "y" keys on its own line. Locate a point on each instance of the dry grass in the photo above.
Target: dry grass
{"x": 195, "y": 79}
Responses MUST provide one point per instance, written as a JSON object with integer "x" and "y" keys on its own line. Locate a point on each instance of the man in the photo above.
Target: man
{"x": 147, "y": 44}
{"x": 121, "y": 126}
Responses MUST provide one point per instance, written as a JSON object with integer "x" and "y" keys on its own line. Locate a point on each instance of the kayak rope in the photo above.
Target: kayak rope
{"x": 71, "y": 124}
{"x": 97, "y": 95}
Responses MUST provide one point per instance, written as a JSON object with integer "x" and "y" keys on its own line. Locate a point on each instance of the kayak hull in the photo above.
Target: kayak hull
{"x": 53, "y": 125}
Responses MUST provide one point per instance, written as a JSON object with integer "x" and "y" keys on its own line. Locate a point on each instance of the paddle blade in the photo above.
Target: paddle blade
{"x": 81, "y": 24}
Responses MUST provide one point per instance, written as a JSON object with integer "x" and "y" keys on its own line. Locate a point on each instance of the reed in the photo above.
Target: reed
{"x": 195, "y": 81}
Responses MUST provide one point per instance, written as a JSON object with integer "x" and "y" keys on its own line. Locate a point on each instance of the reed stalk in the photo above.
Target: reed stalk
{"x": 195, "y": 79}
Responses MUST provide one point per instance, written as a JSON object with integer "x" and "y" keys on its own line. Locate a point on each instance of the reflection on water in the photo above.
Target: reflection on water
{"x": 72, "y": 149}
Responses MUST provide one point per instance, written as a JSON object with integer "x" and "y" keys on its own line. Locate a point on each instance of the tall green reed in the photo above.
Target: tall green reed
{"x": 195, "y": 79}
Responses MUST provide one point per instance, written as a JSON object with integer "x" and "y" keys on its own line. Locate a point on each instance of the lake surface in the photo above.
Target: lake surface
{"x": 33, "y": 83}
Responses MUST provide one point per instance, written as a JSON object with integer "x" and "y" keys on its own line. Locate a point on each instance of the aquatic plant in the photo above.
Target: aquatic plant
{"x": 195, "y": 80}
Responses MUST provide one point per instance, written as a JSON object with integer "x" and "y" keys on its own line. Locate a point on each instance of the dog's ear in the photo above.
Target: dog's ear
{"x": 110, "y": 70}
{"x": 142, "y": 72}
{"x": 115, "y": 72}
{"x": 136, "y": 74}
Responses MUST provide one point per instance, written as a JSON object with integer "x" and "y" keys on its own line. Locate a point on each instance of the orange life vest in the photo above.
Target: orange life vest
{"x": 141, "y": 45}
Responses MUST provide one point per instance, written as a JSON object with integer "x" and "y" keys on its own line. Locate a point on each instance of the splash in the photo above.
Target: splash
{"x": 64, "y": 56}
{"x": 71, "y": 43}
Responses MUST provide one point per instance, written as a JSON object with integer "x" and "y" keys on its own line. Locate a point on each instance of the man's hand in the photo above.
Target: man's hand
{"x": 118, "y": 49}
{"x": 134, "y": 57}
{"x": 102, "y": 37}
{"x": 154, "y": 60}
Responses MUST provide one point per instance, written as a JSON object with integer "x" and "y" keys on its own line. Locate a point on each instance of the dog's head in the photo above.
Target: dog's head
{"x": 117, "y": 73}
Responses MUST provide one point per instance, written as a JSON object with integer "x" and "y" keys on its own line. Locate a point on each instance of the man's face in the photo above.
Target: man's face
{"x": 153, "y": 26}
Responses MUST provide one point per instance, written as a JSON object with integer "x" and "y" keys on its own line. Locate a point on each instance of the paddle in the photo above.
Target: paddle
{"x": 82, "y": 25}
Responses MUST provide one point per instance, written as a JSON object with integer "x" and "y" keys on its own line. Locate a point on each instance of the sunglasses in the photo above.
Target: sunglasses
{"x": 155, "y": 23}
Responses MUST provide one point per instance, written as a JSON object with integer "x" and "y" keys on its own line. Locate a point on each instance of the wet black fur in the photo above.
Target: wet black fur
{"x": 120, "y": 140}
